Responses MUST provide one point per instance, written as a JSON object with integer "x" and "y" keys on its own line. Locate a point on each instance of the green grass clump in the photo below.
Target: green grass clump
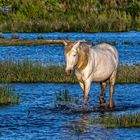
{"x": 63, "y": 98}
{"x": 31, "y": 72}
{"x": 119, "y": 121}
{"x": 8, "y": 96}
{"x": 128, "y": 74}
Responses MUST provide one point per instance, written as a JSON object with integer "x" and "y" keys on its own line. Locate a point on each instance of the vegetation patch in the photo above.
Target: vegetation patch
{"x": 128, "y": 74}
{"x": 68, "y": 15}
{"x": 8, "y": 96}
{"x": 15, "y": 41}
{"x": 63, "y": 99}
{"x": 31, "y": 72}
{"x": 119, "y": 121}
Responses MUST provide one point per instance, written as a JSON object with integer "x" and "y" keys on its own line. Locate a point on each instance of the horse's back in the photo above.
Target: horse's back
{"x": 105, "y": 46}
{"x": 105, "y": 61}
{"x": 108, "y": 48}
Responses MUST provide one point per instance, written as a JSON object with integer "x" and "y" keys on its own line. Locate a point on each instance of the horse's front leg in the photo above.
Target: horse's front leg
{"x": 87, "y": 85}
{"x": 101, "y": 98}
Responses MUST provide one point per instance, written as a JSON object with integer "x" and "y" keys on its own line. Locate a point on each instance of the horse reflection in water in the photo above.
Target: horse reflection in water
{"x": 98, "y": 64}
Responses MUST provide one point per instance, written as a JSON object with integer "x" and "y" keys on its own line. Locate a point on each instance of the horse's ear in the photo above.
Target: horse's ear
{"x": 65, "y": 42}
{"x": 76, "y": 45}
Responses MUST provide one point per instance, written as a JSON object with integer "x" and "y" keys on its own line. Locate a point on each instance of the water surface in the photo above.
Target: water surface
{"x": 33, "y": 119}
{"x": 128, "y": 45}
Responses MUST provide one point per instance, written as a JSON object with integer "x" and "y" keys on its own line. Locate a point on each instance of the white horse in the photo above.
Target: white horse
{"x": 98, "y": 64}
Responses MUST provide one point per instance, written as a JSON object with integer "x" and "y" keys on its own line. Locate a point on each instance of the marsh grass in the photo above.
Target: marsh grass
{"x": 128, "y": 74}
{"x": 31, "y": 72}
{"x": 119, "y": 121}
{"x": 64, "y": 98}
{"x": 68, "y": 15}
{"x": 8, "y": 95}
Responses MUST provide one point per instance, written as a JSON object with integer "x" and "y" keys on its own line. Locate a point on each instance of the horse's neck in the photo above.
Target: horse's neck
{"x": 83, "y": 58}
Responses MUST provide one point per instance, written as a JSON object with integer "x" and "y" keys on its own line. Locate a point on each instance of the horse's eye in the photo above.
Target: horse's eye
{"x": 74, "y": 55}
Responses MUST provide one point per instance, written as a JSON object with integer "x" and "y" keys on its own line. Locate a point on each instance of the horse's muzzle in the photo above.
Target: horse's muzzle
{"x": 68, "y": 72}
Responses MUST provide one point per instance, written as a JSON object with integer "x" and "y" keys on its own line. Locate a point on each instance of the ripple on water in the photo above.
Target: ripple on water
{"x": 36, "y": 117}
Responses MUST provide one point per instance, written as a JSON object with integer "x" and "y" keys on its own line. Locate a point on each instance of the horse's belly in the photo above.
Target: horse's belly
{"x": 102, "y": 75}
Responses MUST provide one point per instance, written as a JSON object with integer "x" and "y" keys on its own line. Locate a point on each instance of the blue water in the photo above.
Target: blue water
{"x": 33, "y": 119}
{"x": 129, "y": 54}
{"x": 36, "y": 118}
{"x": 132, "y": 36}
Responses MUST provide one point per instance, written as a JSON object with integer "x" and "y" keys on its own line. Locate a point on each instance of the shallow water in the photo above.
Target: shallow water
{"x": 38, "y": 118}
{"x": 129, "y": 53}
{"x": 35, "y": 118}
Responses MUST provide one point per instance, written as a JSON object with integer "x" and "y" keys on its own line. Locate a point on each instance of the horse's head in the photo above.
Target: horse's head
{"x": 71, "y": 56}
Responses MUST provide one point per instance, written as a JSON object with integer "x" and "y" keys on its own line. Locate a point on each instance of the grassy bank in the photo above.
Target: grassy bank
{"x": 119, "y": 121}
{"x": 69, "y": 16}
{"x": 30, "y": 72}
{"x": 19, "y": 42}
{"x": 8, "y": 96}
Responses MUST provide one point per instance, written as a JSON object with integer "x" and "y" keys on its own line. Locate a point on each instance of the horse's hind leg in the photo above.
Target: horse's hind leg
{"x": 112, "y": 83}
{"x": 101, "y": 98}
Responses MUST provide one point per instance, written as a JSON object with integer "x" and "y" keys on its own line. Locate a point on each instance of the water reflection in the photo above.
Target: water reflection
{"x": 82, "y": 129}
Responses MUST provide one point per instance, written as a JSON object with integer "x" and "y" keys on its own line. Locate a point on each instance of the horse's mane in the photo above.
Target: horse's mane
{"x": 83, "y": 55}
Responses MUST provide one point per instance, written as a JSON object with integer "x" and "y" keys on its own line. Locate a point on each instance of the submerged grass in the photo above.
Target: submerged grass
{"x": 119, "y": 121}
{"x": 8, "y": 95}
{"x": 64, "y": 98}
{"x": 30, "y": 72}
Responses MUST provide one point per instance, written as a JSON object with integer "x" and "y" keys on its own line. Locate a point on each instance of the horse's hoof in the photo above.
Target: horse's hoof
{"x": 110, "y": 105}
{"x": 103, "y": 105}
{"x": 85, "y": 106}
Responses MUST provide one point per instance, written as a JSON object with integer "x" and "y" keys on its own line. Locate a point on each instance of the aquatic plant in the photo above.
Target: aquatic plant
{"x": 64, "y": 98}
{"x": 79, "y": 128}
{"x": 8, "y": 95}
{"x": 30, "y": 72}
{"x": 119, "y": 121}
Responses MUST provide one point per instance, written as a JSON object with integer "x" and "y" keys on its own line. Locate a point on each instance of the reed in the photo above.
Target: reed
{"x": 70, "y": 16}
{"x": 8, "y": 95}
{"x": 31, "y": 72}
{"x": 119, "y": 121}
